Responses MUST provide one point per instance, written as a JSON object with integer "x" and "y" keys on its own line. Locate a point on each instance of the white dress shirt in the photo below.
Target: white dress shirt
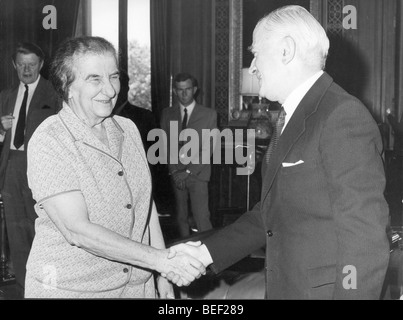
{"x": 189, "y": 109}
{"x": 18, "y": 102}
{"x": 291, "y": 103}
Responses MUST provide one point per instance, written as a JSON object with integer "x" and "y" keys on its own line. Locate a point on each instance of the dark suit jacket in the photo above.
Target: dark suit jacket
{"x": 321, "y": 219}
{"x": 44, "y": 103}
{"x": 201, "y": 118}
{"x": 143, "y": 118}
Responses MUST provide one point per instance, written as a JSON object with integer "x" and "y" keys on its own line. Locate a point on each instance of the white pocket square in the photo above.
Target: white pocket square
{"x": 288, "y": 164}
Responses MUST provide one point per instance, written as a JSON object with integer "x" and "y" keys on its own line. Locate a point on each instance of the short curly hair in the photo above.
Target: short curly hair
{"x": 61, "y": 71}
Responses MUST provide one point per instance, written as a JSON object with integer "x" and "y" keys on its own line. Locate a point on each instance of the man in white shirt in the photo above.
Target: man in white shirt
{"x": 22, "y": 109}
{"x": 189, "y": 180}
{"x": 322, "y": 215}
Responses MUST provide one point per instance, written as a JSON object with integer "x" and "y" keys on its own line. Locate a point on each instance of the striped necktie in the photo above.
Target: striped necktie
{"x": 276, "y": 134}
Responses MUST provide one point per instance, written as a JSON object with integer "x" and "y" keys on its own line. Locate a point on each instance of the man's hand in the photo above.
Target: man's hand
{"x": 181, "y": 269}
{"x": 7, "y": 122}
{"x": 179, "y": 178}
{"x": 195, "y": 249}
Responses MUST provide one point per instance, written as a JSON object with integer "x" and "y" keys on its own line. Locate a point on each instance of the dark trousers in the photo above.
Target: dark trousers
{"x": 197, "y": 191}
{"x": 394, "y": 188}
{"x": 20, "y": 215}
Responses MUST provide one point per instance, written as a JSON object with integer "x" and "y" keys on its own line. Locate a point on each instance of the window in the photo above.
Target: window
{"x": 139, "y": 53}
{"x": 105, "y": 23}
{"x": 105, "y": 20}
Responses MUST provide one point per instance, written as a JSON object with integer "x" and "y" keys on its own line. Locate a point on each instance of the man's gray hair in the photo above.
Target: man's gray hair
{"x": 295, "y": 21}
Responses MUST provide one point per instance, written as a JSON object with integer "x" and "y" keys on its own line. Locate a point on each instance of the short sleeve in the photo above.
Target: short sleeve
{"x": 50, "y": 168}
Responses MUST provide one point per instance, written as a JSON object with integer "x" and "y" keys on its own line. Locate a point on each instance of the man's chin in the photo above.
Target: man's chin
{"x": 28, "y": 80}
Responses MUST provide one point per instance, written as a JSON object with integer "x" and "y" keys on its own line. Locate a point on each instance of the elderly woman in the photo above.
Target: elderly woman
{"x": 97, "y": 232}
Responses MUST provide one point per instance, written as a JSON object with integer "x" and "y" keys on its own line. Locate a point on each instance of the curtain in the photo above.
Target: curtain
{"x": 160, "y": 55}
{"x": 21, "y": 20}
{"x": 181, "y": 41}
{"x": 83, "y": 19}
{"x": 192, "y": 43}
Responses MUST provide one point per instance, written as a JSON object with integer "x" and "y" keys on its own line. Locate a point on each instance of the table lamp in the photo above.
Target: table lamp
{"x": 260, "y": 115}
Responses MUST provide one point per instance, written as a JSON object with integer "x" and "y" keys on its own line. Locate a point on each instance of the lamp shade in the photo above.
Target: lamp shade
{"x": 250, "y": 83}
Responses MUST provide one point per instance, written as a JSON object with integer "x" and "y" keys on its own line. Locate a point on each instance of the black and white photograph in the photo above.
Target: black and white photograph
{"x": 201, "y": 155}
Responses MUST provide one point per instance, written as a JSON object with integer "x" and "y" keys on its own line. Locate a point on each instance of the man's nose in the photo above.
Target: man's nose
{"x": 252, "y": 68}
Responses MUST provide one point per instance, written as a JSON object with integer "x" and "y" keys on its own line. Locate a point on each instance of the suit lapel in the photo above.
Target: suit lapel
{"x": 10, "y": 106}
{"x": 175, "y": 115}
{"x": 13, "y": 99}
{"x": 293, "y": 131}
{"x": 39, "y": 93}
{"x": 196, "y": 114}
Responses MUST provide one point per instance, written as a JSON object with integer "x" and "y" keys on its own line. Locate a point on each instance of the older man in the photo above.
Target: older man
{"x": 22, "y": 109}
{"x": 322, "y": 214}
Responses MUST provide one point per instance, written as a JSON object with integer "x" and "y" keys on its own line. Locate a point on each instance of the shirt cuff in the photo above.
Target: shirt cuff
{"x": 206, "y": 258}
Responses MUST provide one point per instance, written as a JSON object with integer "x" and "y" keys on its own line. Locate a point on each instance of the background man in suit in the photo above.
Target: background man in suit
{"x": 322, "y": 214}
{"x": 22, "y": 109}
{"x": 189, "y": 180}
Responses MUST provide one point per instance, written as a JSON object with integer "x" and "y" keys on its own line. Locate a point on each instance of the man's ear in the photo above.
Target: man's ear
{"x": 195, "y": 90}
{"x": 40, "y": 65}
{"x": 14, "y": 65}
{"x": 289, "y": 48}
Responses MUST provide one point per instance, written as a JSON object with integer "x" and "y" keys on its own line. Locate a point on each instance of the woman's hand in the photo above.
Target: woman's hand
{"x": 182, "y": 269}
{"x": 165, "y": 288}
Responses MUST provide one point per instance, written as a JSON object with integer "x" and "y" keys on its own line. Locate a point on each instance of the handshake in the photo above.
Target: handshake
{"x": 185, "y": 262}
